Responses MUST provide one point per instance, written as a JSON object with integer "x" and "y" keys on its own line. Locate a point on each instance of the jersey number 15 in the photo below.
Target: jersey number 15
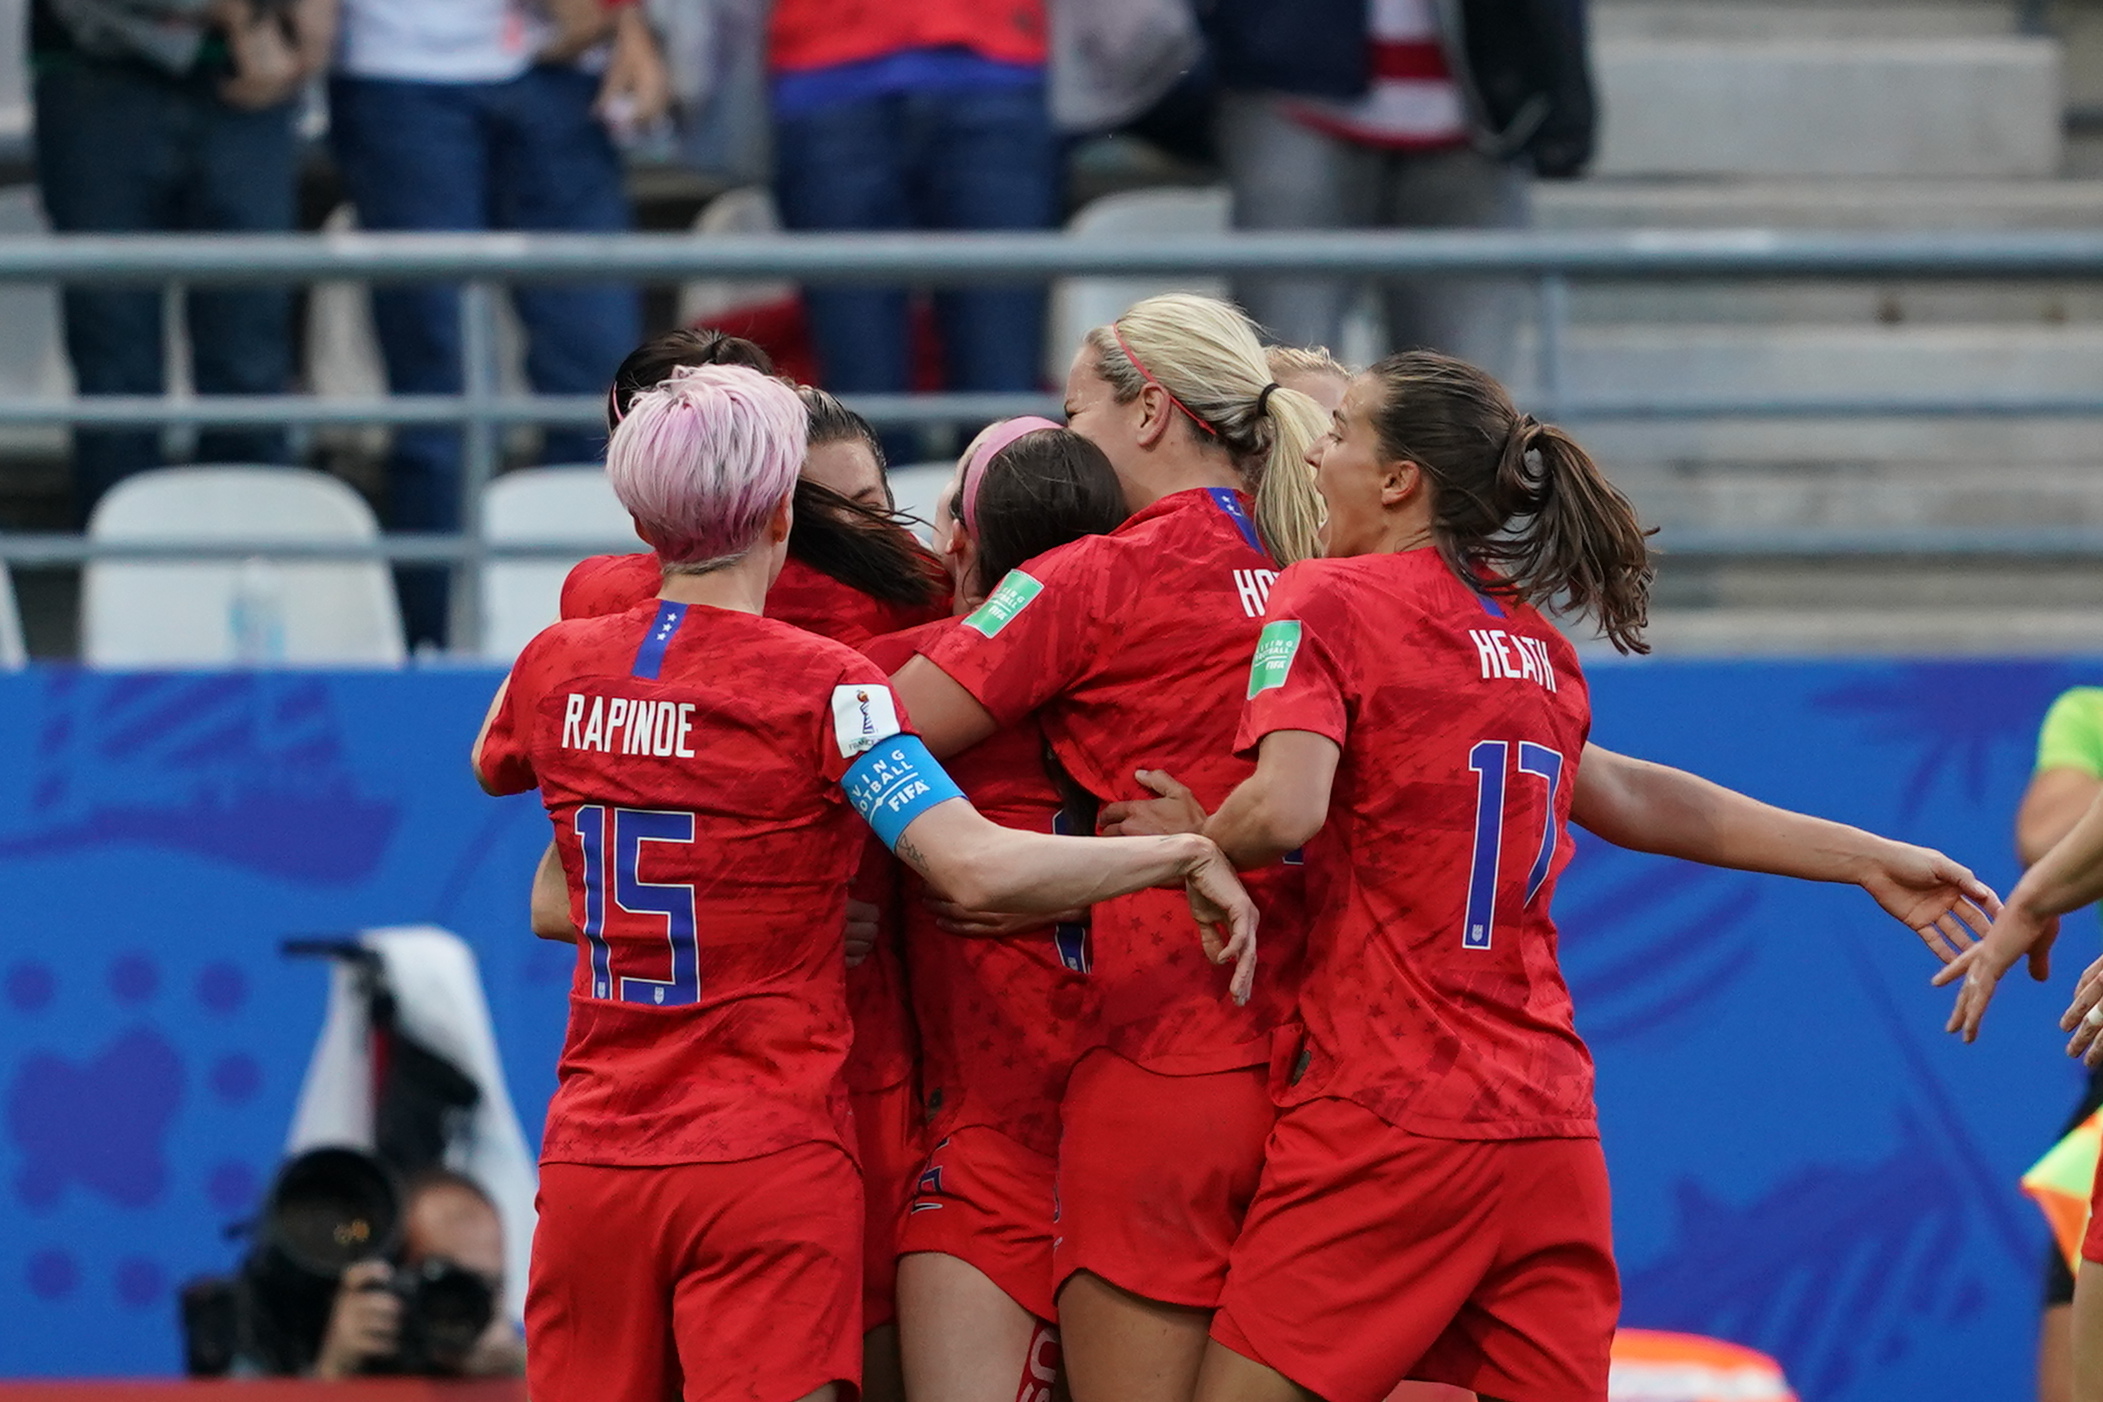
{"x": 612, "y": 842}
{"x": 1489, "y": 760}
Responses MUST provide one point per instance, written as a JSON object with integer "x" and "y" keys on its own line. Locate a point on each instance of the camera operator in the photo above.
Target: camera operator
{"x": 446, "y": 1218}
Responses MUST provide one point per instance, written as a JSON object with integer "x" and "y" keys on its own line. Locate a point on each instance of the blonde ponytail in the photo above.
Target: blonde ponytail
{"x": 1205, "y": 355}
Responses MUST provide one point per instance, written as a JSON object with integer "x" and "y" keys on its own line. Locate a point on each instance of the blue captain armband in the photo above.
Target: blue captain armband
{"x": 895, "y": 782}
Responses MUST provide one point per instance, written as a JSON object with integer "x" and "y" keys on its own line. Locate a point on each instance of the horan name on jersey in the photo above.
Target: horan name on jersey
{"x": 621, "y": 725}
{"x": 1512, "y": 657}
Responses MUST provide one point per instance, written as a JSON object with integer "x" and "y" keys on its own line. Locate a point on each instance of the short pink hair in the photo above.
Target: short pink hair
{"x": 703, "y": 459}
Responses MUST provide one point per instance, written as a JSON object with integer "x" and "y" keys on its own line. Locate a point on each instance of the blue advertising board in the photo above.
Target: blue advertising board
{"x": 1802, "y": 1161}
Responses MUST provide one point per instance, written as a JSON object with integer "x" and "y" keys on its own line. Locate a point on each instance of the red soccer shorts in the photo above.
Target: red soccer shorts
{"x": 711, "y": 1282}
{"x": 1372, "y": 1255}
{"x": 887, "y": 1131}
{"x": 987, "y": 1200}
{"x": 1155, "y": 1174}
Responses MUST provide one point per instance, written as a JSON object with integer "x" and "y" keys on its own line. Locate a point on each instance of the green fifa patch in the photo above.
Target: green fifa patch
{"x": 1275, "y": 650}
{"x": 1001, "y": 606}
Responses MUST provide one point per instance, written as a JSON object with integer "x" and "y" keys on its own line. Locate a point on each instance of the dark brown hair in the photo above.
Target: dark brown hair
{"x": 1040, "y": 492}
{"x": 650, "y": 363}
{"x": 1518, "y": 508}
{"x": 862, "y": 547}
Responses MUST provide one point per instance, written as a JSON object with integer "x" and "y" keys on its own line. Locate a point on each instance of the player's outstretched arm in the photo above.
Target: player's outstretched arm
{"x": 922, "y": 816}
{"x": 2064, "y": 879}
{"x": 988, "y": 867}
{"x": 1654, "y": 808}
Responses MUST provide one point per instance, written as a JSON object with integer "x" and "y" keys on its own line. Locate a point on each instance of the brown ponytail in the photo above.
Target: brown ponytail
{"x": 1517, "y": 506}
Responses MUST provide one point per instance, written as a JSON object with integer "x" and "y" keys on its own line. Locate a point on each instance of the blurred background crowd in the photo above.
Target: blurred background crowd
{"x": 1142, "y": 119}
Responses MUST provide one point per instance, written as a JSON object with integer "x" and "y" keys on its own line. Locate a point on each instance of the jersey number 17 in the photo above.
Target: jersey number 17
{"x": 1489, "y": 760}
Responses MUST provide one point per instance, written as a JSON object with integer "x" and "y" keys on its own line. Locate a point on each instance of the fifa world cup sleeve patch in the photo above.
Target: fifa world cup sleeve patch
{"x": 1012, "y": 597}
{"x": 862, "y": 716}
{"x": 895, "y": 783}
{"x": 1275, "y": 650}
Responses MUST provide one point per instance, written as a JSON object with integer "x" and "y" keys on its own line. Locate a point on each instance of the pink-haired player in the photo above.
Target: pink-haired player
{"x": 701, "y": 1215}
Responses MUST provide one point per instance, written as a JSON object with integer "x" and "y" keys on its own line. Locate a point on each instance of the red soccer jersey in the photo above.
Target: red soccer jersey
{"x": 691, "y": 760}
{"x": 1132, "y": 649}
{"x": 611, "y": 584}
{"x": 1432, "y": 995}
{"x": 809, "y": 599}
{"x": 1001, "y": 1020}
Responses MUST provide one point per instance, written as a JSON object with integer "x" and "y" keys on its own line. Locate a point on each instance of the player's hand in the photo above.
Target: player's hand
{"x": 1176, "y": 810}
{"x": 2083, "y": 1019}
{"x": 1942, "y": 902}
{"x": 864, "y": 926}
{"x": 1226, "y": 918}
{"x": 2015, "y": 934}
{"x": 993, "y": 924}
{"x": 365, "y": 1323}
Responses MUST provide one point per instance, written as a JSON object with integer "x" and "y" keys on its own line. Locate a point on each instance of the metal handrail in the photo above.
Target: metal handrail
{"x": 952, "y": 258}
{"x": 484, "y": 262}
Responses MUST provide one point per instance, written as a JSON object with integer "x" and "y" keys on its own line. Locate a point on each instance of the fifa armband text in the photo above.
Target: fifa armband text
{"x": 895, "y": 782}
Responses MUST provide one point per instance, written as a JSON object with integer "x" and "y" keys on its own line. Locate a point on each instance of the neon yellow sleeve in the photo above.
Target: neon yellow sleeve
{"x": 2072, "y": 735}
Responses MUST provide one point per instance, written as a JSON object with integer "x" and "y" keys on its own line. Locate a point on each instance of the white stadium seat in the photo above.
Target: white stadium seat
{"x": 237, "y": 612}
{"x": 1078, "y": 305}
{"x": 542, "y": 504}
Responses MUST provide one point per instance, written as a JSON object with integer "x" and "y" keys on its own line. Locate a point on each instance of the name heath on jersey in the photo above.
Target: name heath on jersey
{"x": 617, "y": 725}
{"x": 1512, "y": 656}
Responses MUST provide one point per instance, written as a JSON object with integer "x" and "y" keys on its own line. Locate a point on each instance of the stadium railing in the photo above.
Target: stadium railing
{"x": 483, "y": 264}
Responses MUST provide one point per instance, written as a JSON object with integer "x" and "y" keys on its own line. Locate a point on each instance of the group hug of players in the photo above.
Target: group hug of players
{"x": 1317, "y": 1122}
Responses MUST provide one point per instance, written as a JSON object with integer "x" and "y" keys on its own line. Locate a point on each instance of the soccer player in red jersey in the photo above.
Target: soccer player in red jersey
{"x": 1003, "y": 1012}
{"x": 1434, "y": 1201}
{"x": 1128, "y": 648}
{"x": 700, "y": 1213}
{"x": 852, "y": 573}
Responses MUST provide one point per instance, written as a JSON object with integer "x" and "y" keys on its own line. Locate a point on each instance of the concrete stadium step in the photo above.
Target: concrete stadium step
{"x": 1893, "y": 495}
{"x": 1901, "y": 203}
{"x": 1803, "y": 19}
{"x": 1692, "y": 90}
{"x": 2065, "y": 444}
{"x": 1825, "y": 203}
{"x": 1897, "y": 365}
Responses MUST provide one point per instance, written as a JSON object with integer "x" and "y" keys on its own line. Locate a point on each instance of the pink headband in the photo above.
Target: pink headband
{"x": 997, "y": 440}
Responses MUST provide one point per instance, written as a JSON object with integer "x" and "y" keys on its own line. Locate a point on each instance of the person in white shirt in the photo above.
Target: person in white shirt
{"x": 487, "y": 114}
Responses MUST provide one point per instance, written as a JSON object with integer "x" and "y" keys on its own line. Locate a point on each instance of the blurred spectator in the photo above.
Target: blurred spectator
{"x": 1349, "y": 114}
{"x": 488, "y": 114}
{"x": 447, "y": 1218}
{"x": 2068, "y": 777}
{"x": 164, "y": 115}
{"x": 928, "y": 115}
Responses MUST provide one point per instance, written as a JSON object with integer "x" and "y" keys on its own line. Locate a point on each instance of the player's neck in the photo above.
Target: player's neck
{"x": 741, "y": 586}
{"x": 1181, "y": 471}
{"x": 1403, "y": 531}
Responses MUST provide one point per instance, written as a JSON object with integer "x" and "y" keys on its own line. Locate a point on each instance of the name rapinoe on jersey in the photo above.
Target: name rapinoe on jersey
{"x": 621, "y": 725}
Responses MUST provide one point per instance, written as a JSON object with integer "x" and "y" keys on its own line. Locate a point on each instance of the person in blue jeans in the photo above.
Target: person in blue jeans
{"x": 439, "y": 126}
{"x": 910, "y": 134}
{"x": 172, "y": 117}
